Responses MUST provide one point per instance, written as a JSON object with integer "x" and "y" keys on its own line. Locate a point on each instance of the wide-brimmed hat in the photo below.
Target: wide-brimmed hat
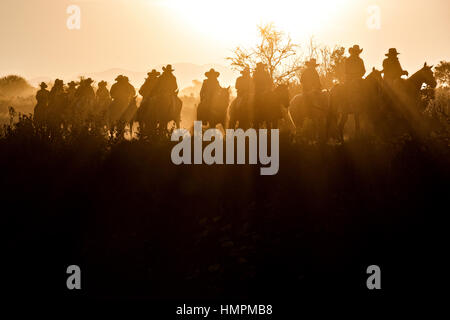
{"x": 154, "y": 73}
{"x": 392, "y": 52}
{"x": 261, "y": 65}
{"x": 72, "y": 84}
{"x": 355, "y": 49}
{"x": 102, "y": 83}
{"x": 311, "y": 63}
{"x": 58, "y": 81}
{"x": 89, "y": 80}
{"x": 212, "y": 73}
{"x": 43, "y": 85}
{"x": 119, "y": 77}
{"x": 168, "y": 68}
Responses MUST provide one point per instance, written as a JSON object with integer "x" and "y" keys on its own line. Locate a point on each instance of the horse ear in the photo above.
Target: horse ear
{"x": 373, "y": 68}
{"x": 431, "y": 66}
{"x": 425, "y": 64}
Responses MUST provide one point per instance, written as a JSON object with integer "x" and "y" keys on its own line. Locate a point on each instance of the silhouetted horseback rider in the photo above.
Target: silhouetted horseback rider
{"x": 240, "y": 109}
{"x": 210, "y": 86}
{"x": 103, "y": 99}
{"x": 40, "y": 110}
{"x": 58, "y": 88}
{"x": 71, "y": 89}
{"x": 147, "y": 90}
{"x": 84, "y": 100}
{"x": 310, "y": 81}
{"x": 243, "y": 84}
{"x": 102, "y": 93}
{"x": 167, "y": 83}
{"x": 122, "y": 90}
{"x": 354, "y": 65}
{"x": 262, "y": 79}
{"x": 263, "y": 84}
{"x": 56, "y": 103}
{"x": 85, "y": 89}
{"x": 391, "y": 67}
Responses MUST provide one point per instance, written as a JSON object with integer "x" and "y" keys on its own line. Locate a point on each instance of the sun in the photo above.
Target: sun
{"x": 237, "y": 19}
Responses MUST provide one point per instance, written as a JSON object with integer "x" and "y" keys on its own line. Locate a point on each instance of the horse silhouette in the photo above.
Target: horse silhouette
{"x": 215, "y": 111}
{"x": 404, "y": 100}
{"x": 268, "y": 108}
{"x": 157, "y": 112}
{"x": 357, "y": 98}
{"x": 315, "y": 108}
{"x": 240, "y": 112}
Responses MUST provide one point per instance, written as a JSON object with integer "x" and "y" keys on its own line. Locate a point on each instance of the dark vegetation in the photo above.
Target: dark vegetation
{"x": 140, "y": 226}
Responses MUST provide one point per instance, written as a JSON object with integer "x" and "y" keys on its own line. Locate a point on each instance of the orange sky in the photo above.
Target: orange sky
{"x": 139, "y": 34}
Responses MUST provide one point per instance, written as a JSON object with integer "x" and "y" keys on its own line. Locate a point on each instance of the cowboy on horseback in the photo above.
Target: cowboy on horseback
{"x": 165, "y": 105}
{"x": 85, "y": 90}
{"x": 354, "y": 65}
{"x": 263, "y": 84}
{"x": 239, "y": 110}
{"x": 40, "y": 111}
{"x": 167, "y": 83}
{"x": 56, "y": 103}
{"x": 71, "y": 89}
{"x": 392, "y": 69}
{"x": 103, "y": 99}
{"x": 148, "y": 88}
{"x": 310, "y": 81}
{"x": 122, "y": 90}
{"x": 102, "y": 93}
{"x": 210, "y": 86}
{"x": 262, "y": 79}
{"x": 243, "y": 83}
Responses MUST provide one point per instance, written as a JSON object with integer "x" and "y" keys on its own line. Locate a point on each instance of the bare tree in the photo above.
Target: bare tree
{"x": 274, "y": 49}
{"x": 331, "y": 62}
{"x": 442, "y": 72}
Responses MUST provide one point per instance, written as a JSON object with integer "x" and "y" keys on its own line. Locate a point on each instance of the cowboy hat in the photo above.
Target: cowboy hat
{"x": 311, "y": 63}
{"x": 168, "y": 68}
{"x": 355, "y": 49}
{"x": 102, "y": 83}
{"x": 260, "y": 65}
{"x": 119, "y": 77}
{"x": 72, "y": 84}
{"x": 212, "y": 73}
{"x": 43, "y": 85}
{"x": 89, "y": 80}
{"x": 392, "y": 52}
{"x": 154, "y": 73}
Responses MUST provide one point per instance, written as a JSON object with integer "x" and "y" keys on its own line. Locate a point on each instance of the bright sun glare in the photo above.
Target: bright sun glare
{"x": 238, "y": 18}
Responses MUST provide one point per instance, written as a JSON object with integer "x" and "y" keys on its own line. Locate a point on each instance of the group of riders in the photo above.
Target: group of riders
{"x": 389, "y": 103}
{"x": 259, "y": 101}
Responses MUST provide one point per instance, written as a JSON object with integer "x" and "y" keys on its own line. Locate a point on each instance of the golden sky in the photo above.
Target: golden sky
{"x": 139, "y": 34}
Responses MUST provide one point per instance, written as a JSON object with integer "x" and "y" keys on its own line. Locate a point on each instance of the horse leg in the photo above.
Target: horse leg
{"x": 357, "y": 124}
{"x": 341, "y": 126}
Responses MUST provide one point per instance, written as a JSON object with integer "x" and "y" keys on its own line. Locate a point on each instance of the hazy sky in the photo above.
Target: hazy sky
{"x": 139, "y": 34}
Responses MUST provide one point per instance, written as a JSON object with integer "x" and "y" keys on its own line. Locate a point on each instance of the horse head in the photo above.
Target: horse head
{"x": 282, "y": 94}
{"x": 375, "y": 75}
{"x": 428, "y": 76}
